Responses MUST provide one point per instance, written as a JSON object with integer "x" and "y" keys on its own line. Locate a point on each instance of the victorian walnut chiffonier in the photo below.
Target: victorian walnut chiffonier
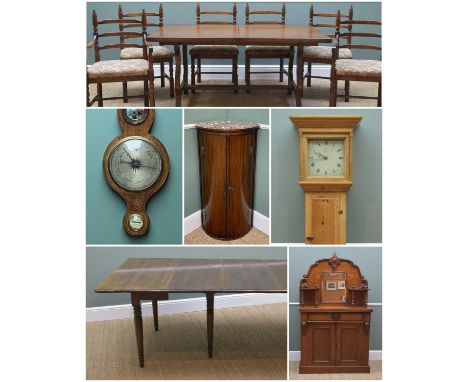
{"x": 226, "y": 152}
{"x": 335, "y": 320}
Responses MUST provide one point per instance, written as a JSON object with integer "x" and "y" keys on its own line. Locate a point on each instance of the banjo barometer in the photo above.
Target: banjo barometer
{"x": 325, "y": 157}
{"x": 136, "y": 166}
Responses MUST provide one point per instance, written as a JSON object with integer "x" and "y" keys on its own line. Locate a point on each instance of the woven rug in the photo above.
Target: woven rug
{"x": 249, "y": 343}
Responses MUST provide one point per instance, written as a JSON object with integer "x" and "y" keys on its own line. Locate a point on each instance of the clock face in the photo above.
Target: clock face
{"x": 135, "y": 163}
{"x": 325, "y": 158}
{"x": 135, "y": 116}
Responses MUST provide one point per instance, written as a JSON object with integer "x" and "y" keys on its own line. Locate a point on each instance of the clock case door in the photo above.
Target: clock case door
{"x": 227, "y": 179}
{"x": 325, "y": 221}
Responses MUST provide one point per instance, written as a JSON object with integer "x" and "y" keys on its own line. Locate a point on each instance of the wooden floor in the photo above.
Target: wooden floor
{"x": 375, "y": 374}
{"x": 249, "y": 343}
{"x": 253, "y": 237}
{"x": 315, "y": 96}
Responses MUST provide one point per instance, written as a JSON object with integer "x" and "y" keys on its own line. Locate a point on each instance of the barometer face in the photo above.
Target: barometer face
{"x": 135, "y": 116}
{"x": 325, "y": 157}
{"x": 135, "y": 163}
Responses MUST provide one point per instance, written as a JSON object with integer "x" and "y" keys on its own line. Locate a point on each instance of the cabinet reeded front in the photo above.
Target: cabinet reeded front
{"x": 226, "y": 152}
{"x": 325, "y": 158}
{"x": 335, "y": 320}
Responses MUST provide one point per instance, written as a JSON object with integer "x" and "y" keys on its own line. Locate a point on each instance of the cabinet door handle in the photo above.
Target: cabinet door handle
{"x": 230, "y": 189}
{"x": 366, "y": 327}
{"x": 303, "y": 326}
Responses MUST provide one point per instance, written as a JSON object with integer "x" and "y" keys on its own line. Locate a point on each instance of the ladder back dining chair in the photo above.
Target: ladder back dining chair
{"x": 320, "y": 54}
{"x": 353, "y": 69}
{"x": 265, "y": 52}
{"x": 107, "y": 71}
{"x": 218, "y": 52}
{"x": 161, "y": 54}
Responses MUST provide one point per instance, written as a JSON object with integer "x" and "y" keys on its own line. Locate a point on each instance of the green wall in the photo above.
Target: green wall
{"x": 192, "y": 181}
{"x": 105, "y": 208}
{"x": 369, "y": 260}
{"x": 364, "y": 215}
{"x": 101, "y": 261}
{"x": 184, "y": 13}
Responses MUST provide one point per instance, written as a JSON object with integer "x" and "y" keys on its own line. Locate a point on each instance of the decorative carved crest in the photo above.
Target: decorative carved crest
{"x": 334, "y": 261}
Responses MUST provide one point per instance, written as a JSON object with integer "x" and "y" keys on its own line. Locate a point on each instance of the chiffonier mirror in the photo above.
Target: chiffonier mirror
{"x": 335, "y": 319}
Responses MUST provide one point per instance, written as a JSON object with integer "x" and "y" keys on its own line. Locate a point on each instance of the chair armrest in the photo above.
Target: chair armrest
{"x": 149, "y": 48}
{"x": 92, "y": 43}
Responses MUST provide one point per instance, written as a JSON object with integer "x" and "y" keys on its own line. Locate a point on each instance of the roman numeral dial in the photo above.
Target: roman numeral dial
{"x": 325, "y": 157}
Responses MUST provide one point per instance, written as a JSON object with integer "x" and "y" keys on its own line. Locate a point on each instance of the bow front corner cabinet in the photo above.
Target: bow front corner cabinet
{"x": 335, "y": 319}
{"x": 326, "y": 174}
{"x": 226, "y": 152}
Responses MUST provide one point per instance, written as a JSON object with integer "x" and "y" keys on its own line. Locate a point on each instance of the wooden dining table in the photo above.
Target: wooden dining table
{"x": 294, "y": 36}
{"x": 153, "y": 279}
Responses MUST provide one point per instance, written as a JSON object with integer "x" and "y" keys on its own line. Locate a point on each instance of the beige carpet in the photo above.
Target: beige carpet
{"x": 375, "y": 374}
{"x": 316, "y": 95}
{"x": 249, "y": 343}
{"x": 253, "y": 237}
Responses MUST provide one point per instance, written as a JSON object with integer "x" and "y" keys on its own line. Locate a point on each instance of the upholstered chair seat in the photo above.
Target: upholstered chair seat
{"x": 365, "y": 68}
{"x": 159, "y": 52}
{"x": 325, "y": 53}
{"x": 207, "y": 49}
{"x": 118, "y": 68}
{"x": 256, "y": 49}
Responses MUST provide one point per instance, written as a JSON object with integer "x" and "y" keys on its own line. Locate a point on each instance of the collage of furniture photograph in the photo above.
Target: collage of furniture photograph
{"x": 194, "y": 54}
{"x": 233, "y": 191}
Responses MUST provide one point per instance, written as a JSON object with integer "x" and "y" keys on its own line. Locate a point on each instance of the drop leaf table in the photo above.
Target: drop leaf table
{"x": 153, "y": 279}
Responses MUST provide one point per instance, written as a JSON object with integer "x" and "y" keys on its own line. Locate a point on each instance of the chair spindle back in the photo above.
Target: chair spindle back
{"x": 232, "y": 13}
{"x": 281, "y": 13}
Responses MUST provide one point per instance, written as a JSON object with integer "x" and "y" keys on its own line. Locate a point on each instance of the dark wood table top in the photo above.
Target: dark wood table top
{"x": 187, "y": 34}
{"x": 197, "y": 275}
{"x": 264, "y": 34}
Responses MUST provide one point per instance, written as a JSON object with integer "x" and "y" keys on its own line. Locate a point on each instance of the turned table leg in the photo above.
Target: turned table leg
{"x": 155, "y": 314}
{"x": 209, "y": 321}
{"x": 299, "y": 75}
{"x": 178, "y": 92}
{"x": 138, "y": 327}
{"x": 185, "y": 63}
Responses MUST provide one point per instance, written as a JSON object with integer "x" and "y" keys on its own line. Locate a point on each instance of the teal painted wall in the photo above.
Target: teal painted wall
{"x": 368, "y": 259}
{"x": 184, "y": 13}
{"x": 364, "y": 215}
{"x": 192, "y": 180}
{"x": 105, "y": 208}
{"x": 102, "y": 261}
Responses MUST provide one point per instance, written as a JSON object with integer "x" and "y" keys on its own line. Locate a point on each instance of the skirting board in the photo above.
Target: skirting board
{"x": 192, "y": 222}
{"x": 374, "y": 355}
{"x": 118, "y": 312}
{"x": 317, "y": 70}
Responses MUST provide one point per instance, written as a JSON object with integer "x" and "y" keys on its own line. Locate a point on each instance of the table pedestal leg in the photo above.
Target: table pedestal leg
{"x": 178, "y": 93}
{"x": 185, "y": 63}
{"x": 299, "y": 75}
{"x": 209, "y": 321}
{"x": 155, "y": 314}
{"x": 290, "y": 69}
{"x": 138, "y": 327}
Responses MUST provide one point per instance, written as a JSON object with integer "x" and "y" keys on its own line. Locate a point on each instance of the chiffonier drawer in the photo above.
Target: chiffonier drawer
{"x": 337, "y": 316}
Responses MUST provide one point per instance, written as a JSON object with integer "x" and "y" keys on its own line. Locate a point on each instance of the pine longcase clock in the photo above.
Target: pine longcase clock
{"x": 325, "y": 158}
{"x": 136, "y": 166}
